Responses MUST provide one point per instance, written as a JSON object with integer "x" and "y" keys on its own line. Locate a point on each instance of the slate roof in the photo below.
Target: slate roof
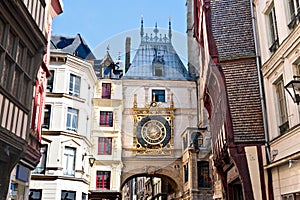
{"x": 72, "y": 45}
{"x": 156, "y": 50}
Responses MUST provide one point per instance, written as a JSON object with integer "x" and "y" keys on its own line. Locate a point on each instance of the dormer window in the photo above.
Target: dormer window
{"x": 158, "y": 69}
{"x": 158, "y": 63}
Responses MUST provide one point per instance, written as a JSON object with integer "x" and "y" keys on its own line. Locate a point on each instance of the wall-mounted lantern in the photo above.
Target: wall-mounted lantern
{"x": 91, "y": 159}
{"x": 293, "y": 88}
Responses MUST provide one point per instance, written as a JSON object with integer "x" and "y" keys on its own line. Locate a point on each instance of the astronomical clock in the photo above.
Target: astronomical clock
{"x": 153, "y": 129}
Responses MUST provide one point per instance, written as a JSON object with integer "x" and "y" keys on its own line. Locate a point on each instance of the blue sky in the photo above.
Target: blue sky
{"x": 100, "y": 21}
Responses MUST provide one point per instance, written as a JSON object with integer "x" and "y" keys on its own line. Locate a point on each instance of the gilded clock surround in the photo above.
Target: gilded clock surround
{"x": 153, "y": 128}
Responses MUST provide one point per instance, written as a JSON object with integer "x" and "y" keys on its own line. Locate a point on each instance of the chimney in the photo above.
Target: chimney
{"x": 127, "y": 55}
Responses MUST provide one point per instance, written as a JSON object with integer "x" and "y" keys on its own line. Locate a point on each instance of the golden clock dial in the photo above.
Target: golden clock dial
{"x": 153, "y": 132}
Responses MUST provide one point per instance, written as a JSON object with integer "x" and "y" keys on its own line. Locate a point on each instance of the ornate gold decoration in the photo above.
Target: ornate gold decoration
{"x": 153, "y": 128}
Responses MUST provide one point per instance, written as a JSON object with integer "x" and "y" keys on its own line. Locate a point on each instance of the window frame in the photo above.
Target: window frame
{"x": 41, "y": 167}
{"x": 69, "y": 154}
{"x": 281, "y": 104}
{"x": 186, "y": 172}
{"x": 72, "y": 115}
{"x": 204, "y": 180}
{"x": 158, "y": 95}
{"x": 64, "y": 192}
{"x": 106, "y": 91}
{"x": 105, "y": 145}
{"x": 104, "y": 181}
{"x": 50, "y": 81}
{"x": 273, "y": 29}
{"x": 47, "y": 116}
{"x": 106, "y": 119}
{"x": 74, "y": 85}
{"x": 294, "y": 13}
{"x": 38, "y": 191}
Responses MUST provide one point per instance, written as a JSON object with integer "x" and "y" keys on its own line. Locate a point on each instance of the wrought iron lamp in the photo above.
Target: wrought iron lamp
{"x": 91, "y": 159}
{"x": 293, "y": 88}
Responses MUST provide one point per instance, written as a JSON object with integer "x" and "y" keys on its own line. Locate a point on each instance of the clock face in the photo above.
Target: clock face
{"x": 154, "y": 130}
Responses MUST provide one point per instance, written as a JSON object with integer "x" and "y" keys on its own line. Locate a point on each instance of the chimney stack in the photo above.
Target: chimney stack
{"x": 127, "y": 53}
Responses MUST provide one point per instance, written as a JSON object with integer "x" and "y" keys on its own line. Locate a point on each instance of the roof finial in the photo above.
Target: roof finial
{"x": 142, "y": 26}
{"x": 170, "y": 30}
{"x": 107, "y": 48}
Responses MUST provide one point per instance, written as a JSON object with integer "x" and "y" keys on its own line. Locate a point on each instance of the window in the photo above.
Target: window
{"x": 293, "y": 196}
{"x": 72, "y": 119}
{"x": 35, "y": 194}
{"x": 68, "y": 195}
{"x": 281, "y": 105}
{"x": 158, "y": 69}
{"x": 50, "y": 81}
{"x": 74, "y": 86}
{"x": 106, "y": 118}
{"x": 69, "y": 161}
{"x": 47, "y": 114}
{"x": 158, "y": 95}
{"x": 186, "y": 172}
{"x": 185, "y": 142}
{"x": 106, "y": 90}
{"x": 103, "y": 180}
{"x": 84, "y": 196}
{"x": 274, "y": 43}
{"x": 294, "y": 11}
{"x": 15, "y": 77}
{"x": 204, "y": 180}
{"x": 40, "y": 168}
{"x": 104, "y": 146}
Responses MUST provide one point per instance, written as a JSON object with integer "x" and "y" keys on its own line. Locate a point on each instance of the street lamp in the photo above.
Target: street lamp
{"x": 293, "y": 88}
{"x": 91, "y": 159}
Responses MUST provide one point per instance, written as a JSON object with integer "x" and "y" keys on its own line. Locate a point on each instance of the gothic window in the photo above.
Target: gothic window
{"x": 103, "y": 180}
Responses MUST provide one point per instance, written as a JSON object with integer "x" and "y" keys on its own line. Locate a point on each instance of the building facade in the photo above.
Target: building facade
{"x": 23, "y": 48}
{"x": 159, "y": 103}
{"x": 106, "y": 130}
{"x": 64, "y": 168}
{"x": 232, "y": 96}
{"x": 278, "y": 38}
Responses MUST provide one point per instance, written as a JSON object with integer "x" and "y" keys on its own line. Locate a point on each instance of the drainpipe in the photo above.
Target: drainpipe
{"x": 261, "y": 89}
{"x": 263, "y": 105}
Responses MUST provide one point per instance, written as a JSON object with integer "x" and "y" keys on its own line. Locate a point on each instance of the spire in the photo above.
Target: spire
{"x": 170, "y": 30}
{"x": 155, "y": 32}
{"x": 142, "y": 26}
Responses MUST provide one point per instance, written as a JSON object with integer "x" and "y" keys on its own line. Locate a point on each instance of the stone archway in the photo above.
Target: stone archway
{"x": 168, "y": 169}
